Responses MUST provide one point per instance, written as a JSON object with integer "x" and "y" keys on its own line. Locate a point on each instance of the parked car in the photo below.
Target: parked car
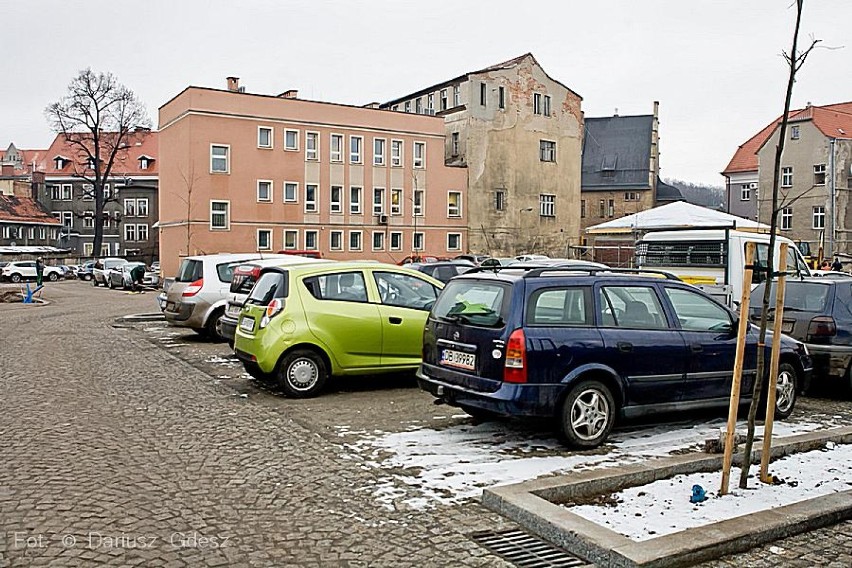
{"x": 442, "y": 270}
{"x": 199, "y": 293}
{"x": 499, "y": 261}
{"x": 121, "y": 277}
{"x": 304, "y": 323}
{"x": 561, "y": 262}
{"x": 155, "y": 266}
{"x": 818, "y": 312}
{"x": 244, "y": 278}
{"x": 421, "y": 258}
{"x": 85, "y": 271}
{"x": 475, "y": 259}
{"x": 304, "y": 253}
{"x": 531, "y": 257}
{"x": 101, "y": 267}
{"x": 21, "y": 270}
{"x": 589, "y": 347}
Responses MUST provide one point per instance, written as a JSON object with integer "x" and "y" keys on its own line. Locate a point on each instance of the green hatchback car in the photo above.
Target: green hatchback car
{"x": 301, "y": 324}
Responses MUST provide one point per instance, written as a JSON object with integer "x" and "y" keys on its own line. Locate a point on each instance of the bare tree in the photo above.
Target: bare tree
{"x": 97, "y": 117}
{"x": 189, "y": 178}
{"x": 795, "y": 60}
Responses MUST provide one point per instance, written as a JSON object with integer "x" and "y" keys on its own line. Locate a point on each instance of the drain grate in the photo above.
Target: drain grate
{"x": 525, "y": 550}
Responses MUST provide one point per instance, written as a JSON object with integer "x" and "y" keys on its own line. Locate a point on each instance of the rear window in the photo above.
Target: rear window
{"x": 269, "y": 286}
{"x": 189, "y": 271}
{"x": 799, "y": 296}
{"x": 226, "y": 271}
{"x": 244, "y": 278}
{"x": 473, "y": 302}
{"x": 114, "y": 263}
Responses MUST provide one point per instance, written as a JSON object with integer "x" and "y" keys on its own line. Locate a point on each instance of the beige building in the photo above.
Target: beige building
{"x": 814, "y": 180}
{"x": 519, "y": 133}
{"x": 242, "y": 172}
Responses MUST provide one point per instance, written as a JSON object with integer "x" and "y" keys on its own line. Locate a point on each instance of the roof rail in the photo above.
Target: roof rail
{"x": 538, "y": 271}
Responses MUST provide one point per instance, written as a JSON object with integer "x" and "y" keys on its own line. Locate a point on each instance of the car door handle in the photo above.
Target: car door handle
{"x": 625, "y": 347}
{"x": 696, "y": 348}
{"x": 395, "y": 320}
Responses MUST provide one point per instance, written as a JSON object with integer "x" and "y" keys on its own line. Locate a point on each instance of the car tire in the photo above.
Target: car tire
{"x": 302, "y": 374}
{"x": 53, "y": 277}
{"x": 110, "y": 285}
{"x": 212, "y": 327}
{"x": 786, "y": 392}
{"x": 587, "y": 414}
{"x": 16, "y": 278}
{"x": 480, "y": 414}
{"x": 94, "y": 282}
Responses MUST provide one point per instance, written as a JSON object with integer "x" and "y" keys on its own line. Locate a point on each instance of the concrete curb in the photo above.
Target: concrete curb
{"x": 535, "y": 505}
{"x": 152, "y": 316}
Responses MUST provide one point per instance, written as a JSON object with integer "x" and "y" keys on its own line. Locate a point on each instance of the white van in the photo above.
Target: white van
{"x": 713, "y": 259}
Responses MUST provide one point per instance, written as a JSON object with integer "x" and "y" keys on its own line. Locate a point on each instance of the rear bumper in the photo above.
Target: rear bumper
{"x": 509, "y": 399}
{"x": 228, "y": 327}
{"x": 185, "y": 314}
{"x": 830, "y": 360}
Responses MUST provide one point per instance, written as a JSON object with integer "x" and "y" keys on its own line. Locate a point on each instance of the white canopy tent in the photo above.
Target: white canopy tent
{"x": 677, "y": 215}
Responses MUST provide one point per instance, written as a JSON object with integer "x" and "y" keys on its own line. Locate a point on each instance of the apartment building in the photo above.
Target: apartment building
{"x": 519, "y": 133}
{"x": 247, "y": 172}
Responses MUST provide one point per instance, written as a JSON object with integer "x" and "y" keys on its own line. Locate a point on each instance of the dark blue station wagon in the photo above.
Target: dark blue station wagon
{"x": 588, "y": 347}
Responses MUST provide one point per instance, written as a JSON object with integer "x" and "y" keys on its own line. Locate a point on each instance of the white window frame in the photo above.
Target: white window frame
{"x": 291, "y": 148}
{"x": 336, "y": 155}
{"x": 143, "y": 163}
{"x": 419, "y": 162}
{"x": 378, "y": 201}
{"x": 142, "y": 205}
{"x": 308, "y": 233}
{"x": 140, "y": 231}
{"x": 787, "y": 176}
{"x": 418, "y": 236}
{"x": 331, "y": 236}
{"x": 794, "y": 132}
{"x": 312, "y": 154}
{"x": 130, "y": 233}
{"x": 295, "y": 234}
{"x": 396, "y": 208}
{"x": 66, "y": 192}
{"x": 454, "y": 210}
{"x": 818, "y": 217}
{"x": 456, "y": 95}
{"x": 89, "y": 220}
{"x": 269, "y": 183}
{"x": 107, "y": 192}
{"x": 88, "y": 248}
{"x": 546, "y": 109}
{"x": 547, "y": 153}
{"x": 130, "y": 208}
{"x": 458, "y": 246}
{"x": 227, "y": 214}
{"x": 312, "y": 205}
{"x": 227, "y": 158}
{"x": 271, "y": 132}
{"x": 745, "y": 192}
{"x": 379, "y": 153}
{"x": 396, "y": 235}
{"x": 381, "y": 238}
{"x": 355, "y": 205}
{"x": 819, "y": 169}
{"x": 787, "y": 219}
{"x": 360, "y": 245}
{"x": 547, "y": 204}
{"x": 418, "y": 209}
{"x": 335, "y": 206}
{"x": 295, "y": 198}
{"x": 268, "y": 233}
{"x": 537, "y": 103}
{"x": 445, "y": 101}
{"x": 454, "y": 144}
{"x": 397, "y": 147}
{"x": 356, "y": 157}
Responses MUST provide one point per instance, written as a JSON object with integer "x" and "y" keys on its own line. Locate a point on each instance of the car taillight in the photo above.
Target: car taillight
{"x": 822, "y": 326}
{"x": 193, "y": 288}
{"x": 515, "y": 370}
{"x": 274, "y": 308}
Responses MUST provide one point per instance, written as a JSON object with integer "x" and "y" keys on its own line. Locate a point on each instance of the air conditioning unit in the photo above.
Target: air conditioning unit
{"x": 383, "y": 219}
{"x": 752, "y": 185}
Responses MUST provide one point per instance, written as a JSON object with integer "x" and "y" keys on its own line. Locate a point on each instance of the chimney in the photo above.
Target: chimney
{"x": 234, "y": 84}
{"x": 290, "y": 94}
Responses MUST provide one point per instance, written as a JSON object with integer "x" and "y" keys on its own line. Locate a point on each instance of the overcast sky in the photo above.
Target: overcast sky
{"x": 714, "y": 65}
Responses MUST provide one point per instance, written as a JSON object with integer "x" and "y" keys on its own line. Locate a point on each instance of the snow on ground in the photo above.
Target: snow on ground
{"x": 424, "y": 467}
{"x": 663, "y": 507}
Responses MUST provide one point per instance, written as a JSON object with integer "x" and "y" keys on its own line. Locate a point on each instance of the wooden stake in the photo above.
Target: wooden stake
{"x": 734, "y": 406}
{"x": 773, "y": 367}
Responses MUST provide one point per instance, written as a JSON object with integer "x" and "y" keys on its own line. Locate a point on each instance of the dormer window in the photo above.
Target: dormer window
{"x": 60, "y": 162}
{"x": 145, "y": 162}
{"x": 90, "y": 163}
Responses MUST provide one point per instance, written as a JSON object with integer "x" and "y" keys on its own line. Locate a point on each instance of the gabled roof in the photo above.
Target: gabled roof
{"x": 617, "y": 152}
{"x": 25, "y": 210}
{"x": 140, "y": 143}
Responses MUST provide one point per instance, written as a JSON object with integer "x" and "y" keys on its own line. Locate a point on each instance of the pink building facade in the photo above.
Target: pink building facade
{"x": 241, "y": 172}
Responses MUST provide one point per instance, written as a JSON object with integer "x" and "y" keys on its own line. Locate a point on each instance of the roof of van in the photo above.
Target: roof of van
{"x": 708, "y": 235}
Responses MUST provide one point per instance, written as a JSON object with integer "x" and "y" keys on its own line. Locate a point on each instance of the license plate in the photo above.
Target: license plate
{"x": 458, "y": 359}
{"x": 247, "y": 324}
{"x": 234, "y": 311}
{"x": 786, "y": 326}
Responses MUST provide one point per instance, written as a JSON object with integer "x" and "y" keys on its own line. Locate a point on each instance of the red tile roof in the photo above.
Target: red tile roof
{"x": 745, "y": 158}
{"x": 140, "y": 144}
{"x": 25, "y": 210}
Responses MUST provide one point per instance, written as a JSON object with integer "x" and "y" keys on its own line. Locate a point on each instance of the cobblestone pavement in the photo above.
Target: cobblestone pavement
{"x": 149, "y": 446}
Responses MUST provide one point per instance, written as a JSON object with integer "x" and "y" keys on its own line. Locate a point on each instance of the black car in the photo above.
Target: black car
{"x": 588, "y": 346}
{"x": 442, "y": 270}
{"x": 817, "y": 312}
{"x": 85, "y": 271}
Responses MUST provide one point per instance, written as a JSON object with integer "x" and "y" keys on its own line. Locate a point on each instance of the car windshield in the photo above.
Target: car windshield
{"x": 269, "y": 286}
{"x": 190, "y": 270}
{"x": 473, "y": 302}
{"x": 798, "y": 296}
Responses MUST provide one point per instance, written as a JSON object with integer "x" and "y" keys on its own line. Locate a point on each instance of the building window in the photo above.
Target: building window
{"x": 547, "y": 151}
{"x": 787, "y": 176}
{"x": 336, "y": 203}
{"x": 501, "y": 97}
{"x": 819, "y": 174}
{"x": 396, "y": 202}
{"x": 67, "y": 192}
{"x": 444, "y": 99}
{"x": 537, "y": 103}
{"x": 582, "y": 209}
{"x": 396, "y": 241}
{"x": 60, "y": 163}
{"x": 500, "y": 199}
{"x": 354, "y": 240}
{"x": 291, "y": 239}
{"x": 454, "y": 204}
{"x": 786, "y": 218}
{"x": 130, "y": 233}
{"x": 336, "y": 147}
{"x": 311, "y": 237}
{"x": 418, "y": 105}
{"x": 220, "y": 215}
{"x": 355, "y": 200}
{"x": 454, "y": 144}
{"x": 264, "y": 190}
{"x": 378, "y": 200}
{"x": 142, "y": 207}
{"x": 335, "y": 240}
{"x": 611, "y": 208}
{"x": 355, "y": 143}
{"x": 417, "y": 242}
{"x": 745, "y": 192}
{"x": 264, "y": 239}
{"x": 378, "y": 241}
{"x": 130, "y": 208}
{"x": 88, "y": 191}
{"x": 546, "y": 105}
{"x": 547, "y": 205}
{"x": 142, "y": 232}
{"x": 378, "y": 151}
{"x": 107, "y": 192}
{"x": 396, "y": 153}
{"x": 264, "y": 137}
{"x": 55, "y": 192}
{"x": 311, "y": 197}
{"x": 291, "y": 192}
{"x": 819, "y": 217}
{"x": 42, "y": 233}
{"x": 90, "y": 164}
{"x": 219, "y": 158}
{"x": 312, "y": 146}
{"x": 407, "y": 106}
{"x": 420, "y": 154}
{"x": 453, "y": 241}
{"x": 631, "y": 196}
{"x": 794, "y": 133}
{"x": 143, "y": 163}
{"x": 483, "y": 94}
{"x": 89, "y": 220}
{"x": 456, "y": 95}
{"x": 602, "y": 209}
{"x": 418, "y": 203}
{"x": 291, "y": 140}
{"x": 430, "y": 103}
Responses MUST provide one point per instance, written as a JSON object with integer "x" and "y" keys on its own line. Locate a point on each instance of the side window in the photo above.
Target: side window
{"x": 630, "y": 307}
{"x": 697, "y": 313}
{"x": 343, "y": 286}
{"x": 761, "y": 258}
{"x": 567, "y": 306}
{"x": 405, "y": 291}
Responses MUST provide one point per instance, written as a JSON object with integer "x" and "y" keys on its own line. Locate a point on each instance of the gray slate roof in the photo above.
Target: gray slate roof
{"x": 620, "y": 145}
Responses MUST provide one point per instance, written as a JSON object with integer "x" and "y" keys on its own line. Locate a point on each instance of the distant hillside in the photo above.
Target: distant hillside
{"x": 704, "y": 195}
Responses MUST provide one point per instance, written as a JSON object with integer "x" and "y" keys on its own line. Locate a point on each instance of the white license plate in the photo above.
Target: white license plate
{"x": 234, "y": 311}
{"x": 458, "y": 359}
{"x": 247, "y": 324}
{"x": 786, "y": 326}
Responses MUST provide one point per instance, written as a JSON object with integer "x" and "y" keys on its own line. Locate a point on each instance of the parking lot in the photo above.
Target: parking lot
{"x": 134, "y": 429}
